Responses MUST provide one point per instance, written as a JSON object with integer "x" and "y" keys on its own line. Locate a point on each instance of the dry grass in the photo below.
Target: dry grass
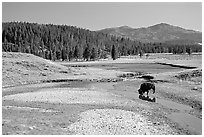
{"x": 28, "y": 109}
{"x": 22, "y": 68}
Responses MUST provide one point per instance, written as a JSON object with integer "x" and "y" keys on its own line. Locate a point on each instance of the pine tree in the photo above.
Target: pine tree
{"x": 94, "y": 53}
{"x": 189, "y": 51}
{"x": 76, "y": 52}
{"x": 184, "y": 49}
{"x": 64, "y": 56}
{"x": 70, "y": 55}
{"x": 141, "y": 53}
{"x": 87, "y": 53}
{"x": 114, "y": 53}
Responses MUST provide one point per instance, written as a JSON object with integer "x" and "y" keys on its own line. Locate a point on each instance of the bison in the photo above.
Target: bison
{"x": 145, "y": 87}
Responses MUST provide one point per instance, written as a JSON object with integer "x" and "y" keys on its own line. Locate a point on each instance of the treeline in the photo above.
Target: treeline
{"x": 169, "y": 47}
{"x": 64, "y": 42}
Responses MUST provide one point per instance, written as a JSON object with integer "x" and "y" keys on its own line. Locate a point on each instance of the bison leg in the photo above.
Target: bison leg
{"x": 147, "y": 93}
{"x": 153, "y": 89}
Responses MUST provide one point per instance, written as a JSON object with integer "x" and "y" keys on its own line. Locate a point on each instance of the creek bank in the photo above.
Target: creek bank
{"x": 179, "y": 66}
{"x": 188, "y": 75}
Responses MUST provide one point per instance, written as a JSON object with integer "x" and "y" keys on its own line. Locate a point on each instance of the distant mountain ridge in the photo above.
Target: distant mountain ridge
{"x": 157, "y": 33}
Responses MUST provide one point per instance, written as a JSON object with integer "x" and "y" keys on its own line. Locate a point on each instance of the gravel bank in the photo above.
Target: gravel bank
{"x": 116, "y": 122}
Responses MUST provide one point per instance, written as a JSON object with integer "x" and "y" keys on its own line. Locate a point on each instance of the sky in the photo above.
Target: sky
{"x": 96, "y": 16}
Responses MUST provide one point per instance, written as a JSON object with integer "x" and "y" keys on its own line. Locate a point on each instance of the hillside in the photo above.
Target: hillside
{"x": 157, "y": 33}
{"x": 56, "y": 42}
{"x": 23, "y": 68}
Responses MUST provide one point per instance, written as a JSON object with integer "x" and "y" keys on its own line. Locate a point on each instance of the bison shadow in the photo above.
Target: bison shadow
{"x": 147, "y": 98}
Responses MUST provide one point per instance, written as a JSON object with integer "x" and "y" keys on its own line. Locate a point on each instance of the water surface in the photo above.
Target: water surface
{"x": 133, "y": 67}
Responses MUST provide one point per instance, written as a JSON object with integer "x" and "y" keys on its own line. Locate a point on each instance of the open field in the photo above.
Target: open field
{"x": 79, "y": 103}
{"x": 194, "y": 60}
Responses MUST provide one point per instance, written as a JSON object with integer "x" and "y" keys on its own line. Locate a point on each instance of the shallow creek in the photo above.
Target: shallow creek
{"x": 181, "y": 117}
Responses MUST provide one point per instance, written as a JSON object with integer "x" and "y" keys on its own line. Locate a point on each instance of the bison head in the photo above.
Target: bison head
{"x": 140, "y": 91}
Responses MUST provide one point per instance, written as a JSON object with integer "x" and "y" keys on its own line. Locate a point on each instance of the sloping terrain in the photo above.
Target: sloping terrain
{"x": 22, "y": 68}
{"x": 157, "y": 33}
